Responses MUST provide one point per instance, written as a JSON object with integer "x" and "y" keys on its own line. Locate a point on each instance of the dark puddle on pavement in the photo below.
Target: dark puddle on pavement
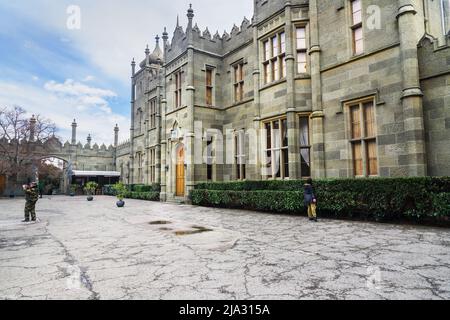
{"x": 165, "y": 229}
{"x": 159, "y": 222}
{"x": 190, "y": 232}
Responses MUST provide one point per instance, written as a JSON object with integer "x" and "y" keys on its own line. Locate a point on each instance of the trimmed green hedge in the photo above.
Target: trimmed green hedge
{"x": 378, "y": 199}
{"x": 145, "y": 188}
{"x": 140, "y": 192}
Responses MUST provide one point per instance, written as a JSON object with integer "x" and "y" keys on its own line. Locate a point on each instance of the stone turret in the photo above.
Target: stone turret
{"x": 89, "y": 140}
{"x": 33, "y": 122}
{"x": 412, "y": 101}
{"x": 74, "y": 132}
{"x": 116, "y": 135}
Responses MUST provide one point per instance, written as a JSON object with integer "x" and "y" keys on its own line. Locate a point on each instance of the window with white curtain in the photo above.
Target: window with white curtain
{"x": 305, "y": 147}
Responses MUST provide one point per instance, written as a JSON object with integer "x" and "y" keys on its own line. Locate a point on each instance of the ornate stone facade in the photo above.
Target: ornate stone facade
{"x": 321, "y": 88}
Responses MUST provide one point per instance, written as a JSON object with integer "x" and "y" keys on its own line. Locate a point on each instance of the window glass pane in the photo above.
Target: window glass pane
{"x": 266, "y": 50}
{"x": 369, "y": 118}
{"x": 286, "y": 163}
{"x": 356, "y": 11}
{"x": 304, "y": 131}
{"x": 283, "y": 42}
{"x": 209, "y": 96}
{"x": 268, "y": 162}
{"x": 356, "y": 122}
{"x": 275, "y": 47}
{"x": 284, "y": 129}
{"x": 278, "y": 163}
{"x": 357, "y": 158}
{"x": 301, "y": 38}
{"x": 301, "y": 62}
{"x": 266, "y": 73}
{"x": 358, "y": 40}
{"x": 241, "y": 72}
{"x": 283, "y": 68}
{"x": 372, "y": 162}
{"x": 208, "y": 77}
{"x": 275, "y": 70}
{"x": 305, "y": 154}
{"x": 276, "y": 134}
{"x": 269, "y": 136}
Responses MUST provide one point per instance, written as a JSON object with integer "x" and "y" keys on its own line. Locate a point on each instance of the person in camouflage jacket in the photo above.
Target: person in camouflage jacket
{"x": 31, "y": 197}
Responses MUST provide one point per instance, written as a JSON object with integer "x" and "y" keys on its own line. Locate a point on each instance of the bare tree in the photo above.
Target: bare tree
{"x": 23, "y": 141}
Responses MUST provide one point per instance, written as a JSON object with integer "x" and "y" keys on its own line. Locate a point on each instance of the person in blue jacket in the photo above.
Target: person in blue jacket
{"x": 310, "y": 200}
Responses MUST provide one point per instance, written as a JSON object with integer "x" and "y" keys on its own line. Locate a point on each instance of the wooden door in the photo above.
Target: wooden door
{"x": 2, "y": 184}
{"x": 180, "y": 173}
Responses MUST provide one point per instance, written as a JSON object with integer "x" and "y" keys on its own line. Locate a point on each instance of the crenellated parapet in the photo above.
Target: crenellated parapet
{"x": 123, "y": 148}
{"x": 238, "y": 36}
{"x": 207, "y": 41}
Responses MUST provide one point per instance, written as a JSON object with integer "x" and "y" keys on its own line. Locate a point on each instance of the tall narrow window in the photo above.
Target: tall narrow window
{"x": 209, "y": 87}
{"x": 445, "y": 16}
{"x": 239, "y": 155}
{"x": 305, "y": 147}
{"x": 153, "y": 113}
{"x": 357, "y": 27}
{"x": 277, "y": 151}
{"x": 152, "y": 165}
{"x": 274, "y": 54}
{"x": 178, "y": 91}
{"x": 209, "y": 158}
{"x": 140, "y": 164}
{"x": 363, "y": 139}
{"x": 140, "y": 120}
{"x": 301, "y": 50}
{"x": 239, "y": 82}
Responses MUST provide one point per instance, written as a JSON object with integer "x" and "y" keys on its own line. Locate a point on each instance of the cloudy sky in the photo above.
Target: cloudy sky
{"x": 50, "y": 67}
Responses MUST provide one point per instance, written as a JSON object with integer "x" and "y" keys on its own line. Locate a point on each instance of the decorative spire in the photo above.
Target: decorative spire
{"x": 133, "y": 67}
{"x": 196, "y": 28}
{"x": 74, "y": 132}
{"x": 147, "y": 51}
{"x": 157, "y": 40}
{"x": 190, "y": 11}
{"x": 190, "y": 16}
{"x": 165, "y": 35}
{"x": 32, "y": 128}
{"x": 178, "y": 22}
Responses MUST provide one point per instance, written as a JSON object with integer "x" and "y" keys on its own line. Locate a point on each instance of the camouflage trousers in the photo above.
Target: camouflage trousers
{"x": 30, "y": 209}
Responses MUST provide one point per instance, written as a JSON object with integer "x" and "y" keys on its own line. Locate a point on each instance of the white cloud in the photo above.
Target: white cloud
{"x": 62, "y": 102}
{"x": 89, "y": 78}
{"x": 114, "y": 31}
{"x": 76, "y": 89}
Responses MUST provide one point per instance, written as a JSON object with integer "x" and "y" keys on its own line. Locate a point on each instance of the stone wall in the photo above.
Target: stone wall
{"x": 435, "y": 82}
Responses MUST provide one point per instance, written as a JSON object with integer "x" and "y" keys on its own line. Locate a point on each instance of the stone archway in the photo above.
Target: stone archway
{"x": 45, "y": 163}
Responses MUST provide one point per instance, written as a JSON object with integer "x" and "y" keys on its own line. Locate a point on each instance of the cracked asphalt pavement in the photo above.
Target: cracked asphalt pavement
{"x": 94, "y": 250}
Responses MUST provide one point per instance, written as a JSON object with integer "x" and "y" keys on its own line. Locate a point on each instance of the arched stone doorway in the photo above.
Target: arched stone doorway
{"x": 180, "y": 181}
{"x": 52, "y": 174}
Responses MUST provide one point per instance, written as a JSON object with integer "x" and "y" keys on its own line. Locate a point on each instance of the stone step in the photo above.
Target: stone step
{"x": 177, "y": 200}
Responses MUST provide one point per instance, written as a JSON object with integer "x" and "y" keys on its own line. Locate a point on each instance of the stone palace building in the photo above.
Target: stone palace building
{"x": 318, "y": 88}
